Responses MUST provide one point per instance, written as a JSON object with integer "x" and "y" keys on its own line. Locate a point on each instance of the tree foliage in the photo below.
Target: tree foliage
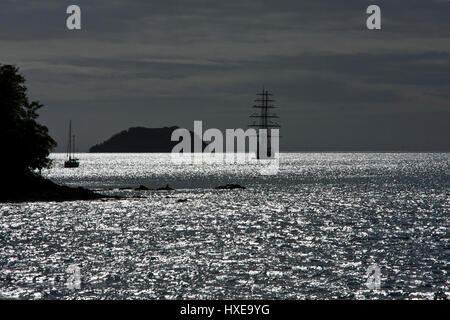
{"x": 25, "y": 143}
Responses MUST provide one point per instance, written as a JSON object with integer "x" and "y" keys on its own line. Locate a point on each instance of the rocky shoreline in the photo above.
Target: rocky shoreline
{"x": 34, "y": 188}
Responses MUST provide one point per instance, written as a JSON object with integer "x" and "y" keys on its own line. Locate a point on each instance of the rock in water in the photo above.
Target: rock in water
{"x": 230, "y": 187}
{"x": 166, "y": 188}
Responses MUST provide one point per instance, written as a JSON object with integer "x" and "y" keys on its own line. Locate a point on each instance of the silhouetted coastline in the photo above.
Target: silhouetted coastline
{"x": 33, "y": 188}
{"x": 26, "y": 146}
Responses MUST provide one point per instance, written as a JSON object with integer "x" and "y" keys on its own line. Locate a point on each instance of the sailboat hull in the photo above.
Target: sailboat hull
{"x": 71, "y": 164}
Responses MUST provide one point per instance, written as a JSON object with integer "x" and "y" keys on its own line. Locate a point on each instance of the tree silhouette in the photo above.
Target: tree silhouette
{"x": 25, "y": 144}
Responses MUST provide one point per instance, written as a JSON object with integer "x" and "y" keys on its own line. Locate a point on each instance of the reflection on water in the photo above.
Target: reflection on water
{"x": 311, "y": 231}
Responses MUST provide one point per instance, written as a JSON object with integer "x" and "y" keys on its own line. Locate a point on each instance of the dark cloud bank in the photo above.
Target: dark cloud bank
{"x": 163, "y": 63}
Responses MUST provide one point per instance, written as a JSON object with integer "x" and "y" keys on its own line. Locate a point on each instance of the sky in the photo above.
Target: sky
{"x": 339, "y": 86}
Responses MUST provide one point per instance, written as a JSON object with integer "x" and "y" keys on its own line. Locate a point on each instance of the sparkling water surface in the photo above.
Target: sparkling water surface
{"x": 308, "y": 232}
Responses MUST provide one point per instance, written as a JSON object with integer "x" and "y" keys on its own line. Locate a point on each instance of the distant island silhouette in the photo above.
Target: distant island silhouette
{"x": 140, "y": 139}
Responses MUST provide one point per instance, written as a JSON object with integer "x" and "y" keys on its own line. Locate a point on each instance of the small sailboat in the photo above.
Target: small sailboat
{"x": 71, "y": 161}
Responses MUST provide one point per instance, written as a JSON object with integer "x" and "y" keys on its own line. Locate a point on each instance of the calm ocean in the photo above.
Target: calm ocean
{"x": 308, "y": 232}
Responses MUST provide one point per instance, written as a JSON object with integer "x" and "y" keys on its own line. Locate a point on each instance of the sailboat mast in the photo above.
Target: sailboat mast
{"x": 71, "y": 162}
{"x": 69, "y": 148}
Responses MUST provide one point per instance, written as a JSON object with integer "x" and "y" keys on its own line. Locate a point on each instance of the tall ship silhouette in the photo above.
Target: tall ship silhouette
{"x": 263, "y": 119}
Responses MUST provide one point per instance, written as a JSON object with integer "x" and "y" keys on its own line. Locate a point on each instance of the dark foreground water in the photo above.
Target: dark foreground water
{"x": 310, "y": 231}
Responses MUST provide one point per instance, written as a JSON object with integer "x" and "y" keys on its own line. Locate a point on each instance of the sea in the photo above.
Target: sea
{"x": 323, "y": 226}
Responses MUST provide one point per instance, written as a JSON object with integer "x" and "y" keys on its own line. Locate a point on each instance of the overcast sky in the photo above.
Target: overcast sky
{"x": 170, "y": 62}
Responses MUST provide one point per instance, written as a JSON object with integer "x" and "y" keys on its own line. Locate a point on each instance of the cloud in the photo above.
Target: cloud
{"x": 170, "y": 62}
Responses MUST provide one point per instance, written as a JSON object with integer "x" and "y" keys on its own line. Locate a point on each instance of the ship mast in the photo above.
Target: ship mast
{"x": 262, "y": 119}
{"x": 73, "y": 145}
{"x": 69, "y": 147}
